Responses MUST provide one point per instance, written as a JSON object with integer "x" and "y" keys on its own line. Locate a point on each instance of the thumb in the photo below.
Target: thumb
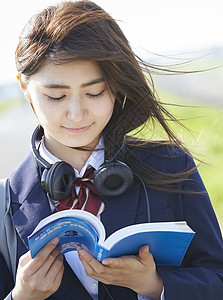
{"x": 146, "y": 257}
{"x": 143, "y": 252}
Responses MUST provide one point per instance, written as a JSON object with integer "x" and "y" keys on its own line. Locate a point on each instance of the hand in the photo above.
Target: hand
{"x": 39, "y": 277}
{"x": 135, "y": 272}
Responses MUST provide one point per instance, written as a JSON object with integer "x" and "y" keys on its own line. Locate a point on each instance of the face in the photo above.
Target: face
{"x": 71, "y": 102}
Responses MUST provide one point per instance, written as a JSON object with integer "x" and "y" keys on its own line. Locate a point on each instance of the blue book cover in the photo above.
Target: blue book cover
{"x": 167, "y": 241}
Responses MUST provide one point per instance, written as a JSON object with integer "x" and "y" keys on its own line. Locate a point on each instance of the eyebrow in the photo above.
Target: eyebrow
{"x": 62, "y": 86}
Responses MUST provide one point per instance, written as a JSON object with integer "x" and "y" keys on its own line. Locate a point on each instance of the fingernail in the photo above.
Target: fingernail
{"x": 147, "y": 251}
{"x": 78, "y": 248}
{"x": 83, "y": 255}
{"x": 55, "y": 240}
{"x": 106, "y": 262}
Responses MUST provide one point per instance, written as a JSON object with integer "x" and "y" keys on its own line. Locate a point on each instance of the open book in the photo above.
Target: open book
{"x": 167, "y": 241}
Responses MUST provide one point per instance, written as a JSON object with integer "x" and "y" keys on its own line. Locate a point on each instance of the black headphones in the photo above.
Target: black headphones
{"x": 113, "y": 177}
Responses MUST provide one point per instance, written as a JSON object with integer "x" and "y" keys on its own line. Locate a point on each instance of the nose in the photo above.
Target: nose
{"x": 76, "y": 110}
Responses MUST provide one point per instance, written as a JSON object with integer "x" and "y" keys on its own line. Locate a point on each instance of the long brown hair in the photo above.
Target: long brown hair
{"x": 82, "y": 30}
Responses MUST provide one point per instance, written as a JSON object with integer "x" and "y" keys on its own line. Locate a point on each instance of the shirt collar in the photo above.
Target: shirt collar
{"x": 95, "y": 160}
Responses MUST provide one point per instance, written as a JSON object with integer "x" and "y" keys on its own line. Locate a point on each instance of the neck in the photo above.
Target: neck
{"x": 76, "y": 158}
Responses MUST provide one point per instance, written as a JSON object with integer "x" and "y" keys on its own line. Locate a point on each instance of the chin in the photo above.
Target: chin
{"x": 78, "y": 147}
{"x": 85, "y": 146}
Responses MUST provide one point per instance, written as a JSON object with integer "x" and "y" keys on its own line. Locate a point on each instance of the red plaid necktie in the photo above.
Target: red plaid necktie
{"x": 88, "y": 197}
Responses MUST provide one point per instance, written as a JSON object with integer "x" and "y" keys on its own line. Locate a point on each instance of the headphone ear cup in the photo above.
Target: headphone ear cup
{"x": 58, "y": 180}
{"x": 113, "y": 179}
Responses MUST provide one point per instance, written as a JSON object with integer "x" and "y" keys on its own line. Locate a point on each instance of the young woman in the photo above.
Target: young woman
{"x": 88, "y": 91}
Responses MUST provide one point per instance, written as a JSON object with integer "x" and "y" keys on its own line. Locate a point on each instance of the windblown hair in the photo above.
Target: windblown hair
{"x": 82, "y": 30}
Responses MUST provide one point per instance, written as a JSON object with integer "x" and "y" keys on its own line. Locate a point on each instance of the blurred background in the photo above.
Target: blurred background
{"x": 177, "y": 35}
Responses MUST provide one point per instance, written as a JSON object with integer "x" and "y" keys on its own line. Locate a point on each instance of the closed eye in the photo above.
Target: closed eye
{"x": 55, "y": 99}
{"x": 96, "y": 95}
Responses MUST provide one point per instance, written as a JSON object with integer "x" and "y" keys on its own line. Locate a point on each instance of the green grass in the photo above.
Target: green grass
{"x": 206, "y": 125}
{"x": 204, "y": 140}
{"x": 5, "y": 105}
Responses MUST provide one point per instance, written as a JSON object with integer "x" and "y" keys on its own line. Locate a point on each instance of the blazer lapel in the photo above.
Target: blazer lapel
{"x": 29, "y": 202}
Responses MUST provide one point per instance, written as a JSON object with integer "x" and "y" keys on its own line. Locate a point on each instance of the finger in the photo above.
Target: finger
{"x": 145, "y": 257}
{"x": 53, "y": 284}
{"x": 89, "y": 270}
{"x": 90, "y": 263}
{"x": 24, "y": 259}
{"x": 109, "y": 262}
{"x": 78, "y": 248}
{"x": 55, "y": 266}
{"x": 55, "y": 272}
{"x": 120, "y": 262}
{"x": 58, "y": 278}
{"x": 39, "y": 259}
{"x": 46, "y": 282}
{"x": 143, "y": 251}
{"x": 115, "y": 262}
{"x": 54, "y": 258}
{"x": 98, "y": 272}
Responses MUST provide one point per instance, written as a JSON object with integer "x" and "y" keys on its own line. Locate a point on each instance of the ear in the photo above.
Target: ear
{"x": 24, "y": 88}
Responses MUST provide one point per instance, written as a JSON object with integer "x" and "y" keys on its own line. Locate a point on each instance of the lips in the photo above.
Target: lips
{"x": 77, "y": 129}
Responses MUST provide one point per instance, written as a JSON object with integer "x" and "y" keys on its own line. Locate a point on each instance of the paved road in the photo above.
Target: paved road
{"x": 16, "y": 126}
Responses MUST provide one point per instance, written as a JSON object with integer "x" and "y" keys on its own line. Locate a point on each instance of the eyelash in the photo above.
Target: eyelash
{"x": 97, "y": 95}
{"x": 90, "y": 95}
{"x": 55, "y": 99}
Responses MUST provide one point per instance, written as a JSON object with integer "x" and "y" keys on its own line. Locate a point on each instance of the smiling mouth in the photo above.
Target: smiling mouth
{"x": 77, "y": 129}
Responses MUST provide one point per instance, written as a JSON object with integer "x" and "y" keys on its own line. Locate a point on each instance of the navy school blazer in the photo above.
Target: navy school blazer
{"x": 201, "y": 273}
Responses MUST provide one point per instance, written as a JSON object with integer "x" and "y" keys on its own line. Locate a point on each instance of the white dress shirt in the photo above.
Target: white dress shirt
{"x": 95, "y": 160}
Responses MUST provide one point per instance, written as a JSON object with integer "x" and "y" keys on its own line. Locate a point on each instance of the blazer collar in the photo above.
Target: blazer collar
{"x": 29, "y": 202}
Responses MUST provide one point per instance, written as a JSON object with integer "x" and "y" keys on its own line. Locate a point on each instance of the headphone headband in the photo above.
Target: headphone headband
{"x": 35, "y": 143}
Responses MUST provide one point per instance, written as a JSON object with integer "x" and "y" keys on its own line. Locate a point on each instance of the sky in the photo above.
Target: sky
{"x": 162, "y": 26}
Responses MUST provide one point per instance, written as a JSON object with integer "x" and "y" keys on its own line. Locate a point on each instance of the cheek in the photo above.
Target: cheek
{"x": 42, "y": 106}
{"x": 43, "y": 112}
{"x": 104, "y": 113}
{"x": 107, "y": 108}
{"x": 38, "y": 108}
